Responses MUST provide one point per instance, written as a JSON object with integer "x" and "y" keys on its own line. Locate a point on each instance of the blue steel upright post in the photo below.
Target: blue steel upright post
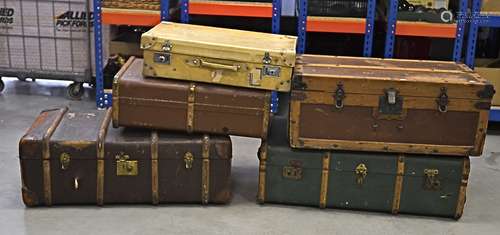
{"x": 184, "y": 11}
{"x": 102, "y": 100}
{"x": 473, "y": 30}
{"x": 276, "y": 25}
{"x": 461, "y": 22}
{"x": 480, "y": 20}
{"x": 164, "y": 13}
{"x": 370, "y": 22}
{"x": 276, "y": 17}
{"x": 302, "y": 27}
{"x": 390, "y": 37}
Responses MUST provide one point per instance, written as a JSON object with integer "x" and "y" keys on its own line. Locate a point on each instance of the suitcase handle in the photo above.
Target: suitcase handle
{"x": 202, "y": 63}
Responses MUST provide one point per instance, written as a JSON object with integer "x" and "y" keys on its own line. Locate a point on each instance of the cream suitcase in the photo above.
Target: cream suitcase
{"x": 218, "y": 55}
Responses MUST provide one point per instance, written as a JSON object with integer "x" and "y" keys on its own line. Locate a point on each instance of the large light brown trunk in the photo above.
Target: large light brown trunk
{"x": 388, "y": 105}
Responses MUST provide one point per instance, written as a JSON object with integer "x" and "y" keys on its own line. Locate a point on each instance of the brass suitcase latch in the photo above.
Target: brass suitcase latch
{"x": 267, "y": 58}
{"x": 361, "y": 172}
{"x": 64, "y": 159}
{"x": 431, "y": 182}
{"x": 125, "y": 167}
{"x": 167, "y": 47}
{"x": 294, "y": 171}
{"x": 188, "y": 160}
{"x": 255, "y": 77}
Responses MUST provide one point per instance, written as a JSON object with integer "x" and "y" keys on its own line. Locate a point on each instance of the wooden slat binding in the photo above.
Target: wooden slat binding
{"x": 47, "y": 184}
{"x": 261, "y": 195}
{"x": 205, "y": 171}
{"x": 103, "y": 130}
{"x": 154, "y": 167}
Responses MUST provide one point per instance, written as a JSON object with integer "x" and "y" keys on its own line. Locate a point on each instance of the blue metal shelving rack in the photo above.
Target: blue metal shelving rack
{"x": 480, "y": 20}
{"x": 391, "y": 30}
{"x": 370, "y": 23}
{"x": 103, "y": 99}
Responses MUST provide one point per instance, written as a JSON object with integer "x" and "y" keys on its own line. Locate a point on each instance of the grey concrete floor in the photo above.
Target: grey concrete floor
{"x": 21, "y": 102}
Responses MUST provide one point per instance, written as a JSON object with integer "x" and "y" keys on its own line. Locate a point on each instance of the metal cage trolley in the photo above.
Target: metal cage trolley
{"x": 47, "y": 39}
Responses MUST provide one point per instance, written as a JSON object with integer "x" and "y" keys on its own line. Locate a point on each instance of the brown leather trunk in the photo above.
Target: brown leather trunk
{"x": 187, "y": 106}
{"x": 387, "y": 105}
{"x": 77, "y": 158}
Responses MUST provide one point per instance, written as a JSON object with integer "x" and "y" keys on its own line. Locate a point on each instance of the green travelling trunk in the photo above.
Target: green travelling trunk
{"x": 386, "y": 182}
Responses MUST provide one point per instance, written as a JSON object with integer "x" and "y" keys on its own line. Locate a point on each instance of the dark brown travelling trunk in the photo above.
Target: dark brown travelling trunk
{"x": 388, "y": 105}
{"x": 187, "y": 106}
{"x": 77, "y": 158}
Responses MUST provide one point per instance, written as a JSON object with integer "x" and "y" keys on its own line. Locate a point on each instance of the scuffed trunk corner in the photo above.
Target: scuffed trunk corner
{"x": 224, "y": 196}
{"x": 223, "y": 148}
{"x": 30, "y": 199}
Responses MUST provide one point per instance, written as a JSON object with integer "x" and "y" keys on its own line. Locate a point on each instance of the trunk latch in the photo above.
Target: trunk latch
{"x": 64, "y": 159}
{"x": 361, "y": 172}
{"x": 339, "y": 96}
{"x": 294, "y": 171}
{"x": 443, "y": 101}
{"x": 125, "y": 167}
{"x": 391, "y": 103}
{"x": 267, "y": 58}
{"x": 432, "y": 182}
{"x": 188, "y": 160}
{"x": 167, "y": 47}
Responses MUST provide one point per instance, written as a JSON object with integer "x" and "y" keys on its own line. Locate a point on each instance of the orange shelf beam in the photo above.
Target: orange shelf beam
{"x": 336, "y": 25}
{"x": 241, "y": 9}
{"x": 130, "y": 17}
{"x": 423, "y": 29}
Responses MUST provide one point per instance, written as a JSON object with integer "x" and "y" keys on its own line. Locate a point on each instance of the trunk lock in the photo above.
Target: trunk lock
{"x": 339, "y": 96}
{"x": 294, "y": 171}
{"x": 161, "y": 58}
{"x": 125, "y": 167}
{"x": 432, "y": 182}
{"x": 64, "y": 159}
{"x": 188, "y": 160}
{"x": 361, "y": 172}
{"x": 391, "y": 103}
{"x": 443, "y": 101}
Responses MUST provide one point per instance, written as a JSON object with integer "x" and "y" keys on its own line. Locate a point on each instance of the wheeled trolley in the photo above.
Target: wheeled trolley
{"x": 49, "y": 39}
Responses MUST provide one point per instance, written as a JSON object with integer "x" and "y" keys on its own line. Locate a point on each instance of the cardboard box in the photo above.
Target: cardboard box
{"x": 431, "y": 3}
{"x": 490, "y": 70}
{"x": 126, "y": 44}
{"x": 491, "y": 6}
